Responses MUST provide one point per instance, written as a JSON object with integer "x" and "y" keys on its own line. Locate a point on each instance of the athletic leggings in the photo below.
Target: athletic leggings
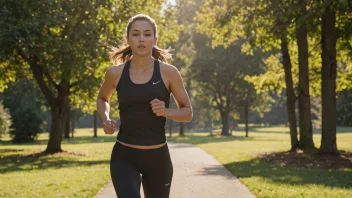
{"x": 130, "y": 166}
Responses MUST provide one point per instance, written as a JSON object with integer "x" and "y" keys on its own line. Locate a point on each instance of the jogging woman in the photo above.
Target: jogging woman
{"x": 143, "y": 82}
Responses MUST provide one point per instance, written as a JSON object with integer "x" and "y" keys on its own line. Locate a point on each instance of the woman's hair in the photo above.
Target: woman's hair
{"x": 124, "y": 53}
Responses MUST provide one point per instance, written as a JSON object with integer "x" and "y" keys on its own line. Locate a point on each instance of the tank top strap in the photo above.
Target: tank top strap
{"x": 126, "y": 72}
{"x": 156, "y": 73}
{"x": 126, "y": 69}
{"x": 124, "y": 75}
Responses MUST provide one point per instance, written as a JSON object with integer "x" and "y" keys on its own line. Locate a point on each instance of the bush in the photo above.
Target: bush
{"x": 26, "y": 126}
{"x": 24, "y": 101}
{"x": 5, "y": 120}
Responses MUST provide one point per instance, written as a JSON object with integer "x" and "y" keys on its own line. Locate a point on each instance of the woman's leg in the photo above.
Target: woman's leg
{"x": 126, "y": 179}
{"x": 157, "y": 176}
{"x": 124, "y": 174}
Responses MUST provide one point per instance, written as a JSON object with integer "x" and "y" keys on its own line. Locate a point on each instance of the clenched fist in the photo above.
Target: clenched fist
{"x": 109, "y": 126}
{"x": 158, "y": 107}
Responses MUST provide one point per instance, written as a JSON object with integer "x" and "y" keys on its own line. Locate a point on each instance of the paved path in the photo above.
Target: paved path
{"x": 196, "y": 175}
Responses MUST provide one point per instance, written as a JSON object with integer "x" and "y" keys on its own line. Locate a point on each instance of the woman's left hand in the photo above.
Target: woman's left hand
{"x": 158, "y": 107}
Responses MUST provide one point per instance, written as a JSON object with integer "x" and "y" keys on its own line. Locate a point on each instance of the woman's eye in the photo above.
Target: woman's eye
{"x": 135, "y": 34}
{"x": 148, "y": 35}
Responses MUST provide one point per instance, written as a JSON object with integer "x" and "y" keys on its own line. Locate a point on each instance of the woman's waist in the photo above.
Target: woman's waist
{"x": 136, "y": 146}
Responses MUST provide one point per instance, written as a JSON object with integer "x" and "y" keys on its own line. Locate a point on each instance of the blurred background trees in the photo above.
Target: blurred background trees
{"x": 243, "y": 62}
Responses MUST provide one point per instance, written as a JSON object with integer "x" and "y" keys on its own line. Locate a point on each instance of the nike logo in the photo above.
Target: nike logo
{"x": 154, "y": 83}
{"x": 167, "y": 184}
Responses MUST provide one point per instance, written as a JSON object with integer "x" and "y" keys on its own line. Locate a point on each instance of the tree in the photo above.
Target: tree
{"x": 262, "y": 23}
{"x": 328, "y": 79}
{"x": 185, "y": 53}
{"x": 64, "y": 44}
{"x": 46, "y": 37}
{"x": 263, "y": 26}
{"x": 220, "y": 75}
{"x": 304, "y": 107}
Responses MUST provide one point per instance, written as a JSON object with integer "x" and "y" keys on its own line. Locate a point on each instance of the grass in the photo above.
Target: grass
{"x": 83, "y": 175}
{"x": 265, "y": 179}
{"x": 60, "y": 175}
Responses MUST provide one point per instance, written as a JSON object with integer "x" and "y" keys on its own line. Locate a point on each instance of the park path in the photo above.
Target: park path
{"x": 196, "y": 175}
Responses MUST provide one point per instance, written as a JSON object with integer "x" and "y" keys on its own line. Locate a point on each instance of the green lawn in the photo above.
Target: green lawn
{"x": 59, "y": 175}
{"x": 267, "y": 180}
{"x": 83, "y": 175}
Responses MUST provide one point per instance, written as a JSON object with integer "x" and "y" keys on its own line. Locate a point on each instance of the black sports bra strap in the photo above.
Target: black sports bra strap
{"x": 126, "y": 69}
{"x": 157, "y": 70}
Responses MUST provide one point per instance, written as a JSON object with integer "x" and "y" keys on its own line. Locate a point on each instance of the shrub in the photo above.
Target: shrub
{"x": 26, "y": 126}
{"x": 5, "y": 121}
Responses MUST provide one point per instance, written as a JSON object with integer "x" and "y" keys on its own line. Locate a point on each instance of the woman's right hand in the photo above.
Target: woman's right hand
{"x": 109, "y": 126}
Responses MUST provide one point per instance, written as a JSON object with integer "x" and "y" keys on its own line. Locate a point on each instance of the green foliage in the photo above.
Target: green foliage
{"x": 27, "y": 124}
{"x": 70, "y": 40}
{"x": 219, "y": 75}
{"x": 261, "y": 22}
{"x": 344, "y": 108}
{"x": 5, "y": 120}
{"x": 25, "y": 102}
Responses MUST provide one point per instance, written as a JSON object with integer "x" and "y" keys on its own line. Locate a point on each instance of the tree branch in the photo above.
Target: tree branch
{"x": 38, "y": 75}
{"x": 47, "y": 74}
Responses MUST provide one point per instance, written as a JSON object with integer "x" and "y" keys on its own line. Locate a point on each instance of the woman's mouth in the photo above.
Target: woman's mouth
{"x": 141, "y": 46}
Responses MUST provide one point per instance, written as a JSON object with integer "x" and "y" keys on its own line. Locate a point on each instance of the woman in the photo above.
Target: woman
{"x": 143, "y": 86}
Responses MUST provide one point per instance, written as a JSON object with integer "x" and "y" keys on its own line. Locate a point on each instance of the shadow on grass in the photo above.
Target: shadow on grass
{"x": 9, "y": 150}
{"x": 75, "y": 140}
{"x": 291, "y": 176}
{"x": 40, "y": 161}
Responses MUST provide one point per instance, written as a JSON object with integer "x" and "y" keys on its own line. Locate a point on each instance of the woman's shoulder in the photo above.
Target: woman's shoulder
{"x": 168, "y": 69}
{"x": 115, "y": 70}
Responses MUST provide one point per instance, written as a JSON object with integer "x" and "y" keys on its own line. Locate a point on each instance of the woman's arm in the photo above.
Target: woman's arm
{"x": 105, "y": 92}
{"x": 184, "y": 113}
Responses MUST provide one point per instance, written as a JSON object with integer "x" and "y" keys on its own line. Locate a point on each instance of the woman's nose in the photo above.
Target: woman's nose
{"x": 141, "y": 38}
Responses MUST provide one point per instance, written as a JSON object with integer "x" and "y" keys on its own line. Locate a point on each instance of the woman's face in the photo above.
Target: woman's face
{"x": 141, "y": 38}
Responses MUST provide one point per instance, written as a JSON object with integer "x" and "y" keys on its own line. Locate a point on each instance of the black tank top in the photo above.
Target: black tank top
{"x": 139, "y": 125}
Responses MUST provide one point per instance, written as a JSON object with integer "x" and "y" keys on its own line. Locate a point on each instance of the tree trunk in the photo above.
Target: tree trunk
{"x": 67, "y": 125}
{"x": 328, "y": 85}
{"x": 95, "y": 124}
{"x": 58, "y": 115}
{"x": 225, "y": 123}
{"x": 170, "y": 127}
{"x": 72, "y": 127}
{"x": 291, "y": 98}
{"x": 59, "y": 105}
{"x": 182, "y": 132}
{"x": 246, "y": 109}
{"x": 305, "y": 120}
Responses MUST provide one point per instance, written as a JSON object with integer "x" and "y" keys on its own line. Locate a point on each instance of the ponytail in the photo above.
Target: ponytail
{"x": 161, "y": 54}
{"x": 124, "y": 53}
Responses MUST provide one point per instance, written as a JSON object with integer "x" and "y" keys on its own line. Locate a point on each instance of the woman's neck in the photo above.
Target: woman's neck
{"x": 141, "y": 63}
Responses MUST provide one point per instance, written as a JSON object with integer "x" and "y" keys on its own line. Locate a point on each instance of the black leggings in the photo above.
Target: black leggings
{"x": 130, "y": 166}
